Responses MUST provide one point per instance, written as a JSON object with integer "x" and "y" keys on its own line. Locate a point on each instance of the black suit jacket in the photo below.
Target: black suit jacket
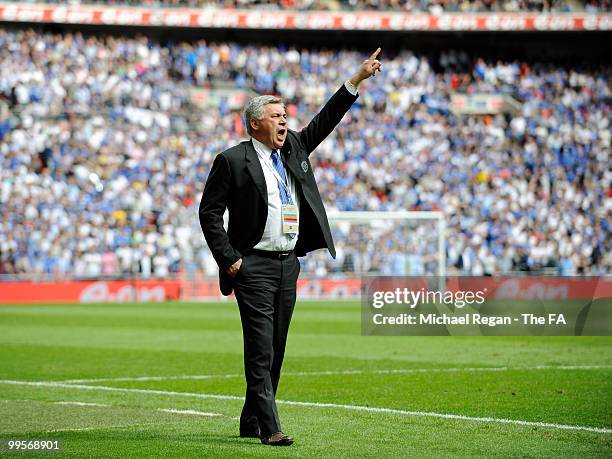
{"x": 236, "y": 182}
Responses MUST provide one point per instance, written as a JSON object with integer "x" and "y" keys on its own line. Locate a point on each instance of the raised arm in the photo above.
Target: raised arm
{"x": 336, "y": 107}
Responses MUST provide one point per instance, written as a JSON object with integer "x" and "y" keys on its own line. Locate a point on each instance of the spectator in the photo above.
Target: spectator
{"x": 104, "y": 159}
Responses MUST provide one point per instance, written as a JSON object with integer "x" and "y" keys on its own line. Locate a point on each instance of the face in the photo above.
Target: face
{"x": 271, "y": 130}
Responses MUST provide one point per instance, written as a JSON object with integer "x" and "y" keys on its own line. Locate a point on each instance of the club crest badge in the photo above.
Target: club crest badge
{"x": 304, "y": 166}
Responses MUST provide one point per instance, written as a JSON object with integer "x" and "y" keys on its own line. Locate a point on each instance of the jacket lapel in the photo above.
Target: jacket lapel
{"x": 254, "y": 168}
{"x": 290, "y": 161}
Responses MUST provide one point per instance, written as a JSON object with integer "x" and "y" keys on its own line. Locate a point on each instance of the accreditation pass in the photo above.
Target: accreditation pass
{"x": 289, "y": 213}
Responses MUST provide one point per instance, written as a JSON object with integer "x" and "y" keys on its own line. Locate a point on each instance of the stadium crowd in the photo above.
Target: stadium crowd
{"x": 103, "y": 157}
{"x": 413, "y": 6}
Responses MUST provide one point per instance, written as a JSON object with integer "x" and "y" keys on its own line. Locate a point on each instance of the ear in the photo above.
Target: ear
{"x": 254, "y": 124}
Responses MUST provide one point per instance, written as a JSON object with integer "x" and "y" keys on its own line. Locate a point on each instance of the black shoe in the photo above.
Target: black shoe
{"x": 250, "y": 433}
{"x": 278, "y": 439}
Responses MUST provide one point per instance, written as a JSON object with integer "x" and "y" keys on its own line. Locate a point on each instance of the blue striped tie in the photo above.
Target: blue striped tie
{"x": 283, "y": 190}
{"x": 278, "y": 165}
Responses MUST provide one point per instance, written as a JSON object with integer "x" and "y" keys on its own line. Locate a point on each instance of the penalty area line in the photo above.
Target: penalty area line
{"x": 317, "y": 405}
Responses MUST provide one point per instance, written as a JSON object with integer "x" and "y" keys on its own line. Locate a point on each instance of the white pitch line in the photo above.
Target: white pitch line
{"x": 344, "y": 372}
{"x": 451, "y": 416}
{"x": 165, "y": 410}
{"x": 149, "y": 378}
{"x": 58, "y": 403}
{"x": 193, "y": 412}
{"x": 117, "y": 389}
{"x": 80, "y": 404}
{"x": 84, "y": 429}
{"x": 318, "y": 405}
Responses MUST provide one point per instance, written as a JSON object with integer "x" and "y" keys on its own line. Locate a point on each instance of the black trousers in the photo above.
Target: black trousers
{"x": 266, "y": 291}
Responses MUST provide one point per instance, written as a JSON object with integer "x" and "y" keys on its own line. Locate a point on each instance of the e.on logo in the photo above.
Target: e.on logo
{"x": 100, "y": 292}
{"x": 515, "y": 289}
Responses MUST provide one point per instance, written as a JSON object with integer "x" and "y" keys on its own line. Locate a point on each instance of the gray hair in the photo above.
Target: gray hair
{"x": 255, "y": 109}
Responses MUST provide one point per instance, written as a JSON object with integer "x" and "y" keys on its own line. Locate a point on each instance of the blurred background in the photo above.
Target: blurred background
{"x": 494, "y": 114}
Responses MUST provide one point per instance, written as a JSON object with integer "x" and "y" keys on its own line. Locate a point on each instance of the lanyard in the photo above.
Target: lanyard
{"x": 278, "y": 177}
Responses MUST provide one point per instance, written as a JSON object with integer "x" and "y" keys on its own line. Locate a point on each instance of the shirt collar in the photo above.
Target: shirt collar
{"x": 261, "y": 149}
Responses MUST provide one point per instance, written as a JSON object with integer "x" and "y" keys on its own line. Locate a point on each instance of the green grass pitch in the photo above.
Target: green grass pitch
{"x": 151, "y": 380}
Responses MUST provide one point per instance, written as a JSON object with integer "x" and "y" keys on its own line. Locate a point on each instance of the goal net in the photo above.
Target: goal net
{"x": 398, "y": 243}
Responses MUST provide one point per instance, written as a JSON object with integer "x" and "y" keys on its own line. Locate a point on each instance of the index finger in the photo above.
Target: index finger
{"x": 375, "y": 53}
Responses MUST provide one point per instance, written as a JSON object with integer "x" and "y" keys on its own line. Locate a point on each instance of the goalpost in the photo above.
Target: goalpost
{"x": 412, "y": 235}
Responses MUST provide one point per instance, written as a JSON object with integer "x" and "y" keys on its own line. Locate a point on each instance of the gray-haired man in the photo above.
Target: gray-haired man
{"x": 275, "y": 215}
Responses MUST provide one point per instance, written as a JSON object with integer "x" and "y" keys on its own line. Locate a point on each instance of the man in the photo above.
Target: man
{"x": 275, "y": 215}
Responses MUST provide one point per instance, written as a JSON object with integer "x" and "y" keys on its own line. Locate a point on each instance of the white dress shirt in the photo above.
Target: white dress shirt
{"x": 273, "y": 238}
